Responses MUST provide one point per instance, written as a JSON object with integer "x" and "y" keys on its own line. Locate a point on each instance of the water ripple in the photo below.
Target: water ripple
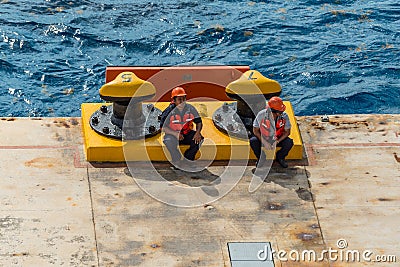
{"x": 329, "y": 56}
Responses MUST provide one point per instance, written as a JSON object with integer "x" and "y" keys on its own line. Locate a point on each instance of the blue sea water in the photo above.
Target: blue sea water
{"x": 331, "y": 57}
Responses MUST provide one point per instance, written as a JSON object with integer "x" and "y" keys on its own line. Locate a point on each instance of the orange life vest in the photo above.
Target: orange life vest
{"x": 179, "y": 124}
{"x": 265, "y": 127}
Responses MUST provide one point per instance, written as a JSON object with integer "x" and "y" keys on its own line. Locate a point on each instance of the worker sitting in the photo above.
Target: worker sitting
{"x": 275, "y": 130}
{"x": 177, "y": 124}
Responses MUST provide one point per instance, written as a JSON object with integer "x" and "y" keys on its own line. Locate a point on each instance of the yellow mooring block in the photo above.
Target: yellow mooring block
{"x": 217, "y": 145}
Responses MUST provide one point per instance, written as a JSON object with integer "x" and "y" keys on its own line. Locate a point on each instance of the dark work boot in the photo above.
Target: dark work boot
{"x": 282, "y": 162}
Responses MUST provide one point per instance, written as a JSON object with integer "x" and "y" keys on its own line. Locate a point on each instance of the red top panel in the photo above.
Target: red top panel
{"x": 200, "y": 82}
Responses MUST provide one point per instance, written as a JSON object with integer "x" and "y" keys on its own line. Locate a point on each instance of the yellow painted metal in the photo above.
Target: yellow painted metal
{"x": 127, "y": 85}
{"x": 253, "y": 82}
{"x": 297, "y": 150}
{"x": 217, "y": 145}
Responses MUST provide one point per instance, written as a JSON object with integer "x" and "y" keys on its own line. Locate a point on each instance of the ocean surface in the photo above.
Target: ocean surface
{"x": 331, "y": 57}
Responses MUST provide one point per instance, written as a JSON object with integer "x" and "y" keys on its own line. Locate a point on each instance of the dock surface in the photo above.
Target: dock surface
{"x": 59, "y": 210}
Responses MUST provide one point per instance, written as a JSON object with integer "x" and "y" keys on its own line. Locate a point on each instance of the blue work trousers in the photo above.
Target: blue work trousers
{"x": 286, "y": 144}
{"x": 172, "y": 144}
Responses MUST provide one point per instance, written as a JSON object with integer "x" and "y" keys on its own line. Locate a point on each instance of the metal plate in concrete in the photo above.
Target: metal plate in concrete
{"x": 252, "y": 264}
{"x": 250, "y": 254}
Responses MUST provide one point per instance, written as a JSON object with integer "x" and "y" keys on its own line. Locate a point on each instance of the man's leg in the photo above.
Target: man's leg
{"x": 172, "y": 145}
{"x": 256, "y": 145}
{"x": 285, "y": 145}
{"x": 190, "y": 153}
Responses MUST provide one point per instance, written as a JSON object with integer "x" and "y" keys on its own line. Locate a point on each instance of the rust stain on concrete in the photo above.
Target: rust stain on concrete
{"x": 304, "y": 194}
{"x": 385, "y": 199}
{"x": 397, "y": 158}
{"x": 63, "y": 123}
{"x": 41, "y": 162}
{"x": 66, "y": 125}
{"x": 74, "y": 121}
{"x": 20, "y": 254}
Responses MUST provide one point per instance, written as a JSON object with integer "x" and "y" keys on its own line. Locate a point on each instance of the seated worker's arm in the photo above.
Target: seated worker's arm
{"x": 285, "y": 134}
{"x": 199, "y": 125}
{"x": 257, "y": 132}
{"x": 265, "y": 142}
{"x": 287, "y": 128}
{"x": 197, "y": 136}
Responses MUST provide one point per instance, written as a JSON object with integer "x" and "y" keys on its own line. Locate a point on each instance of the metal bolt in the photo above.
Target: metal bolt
{"x": 103, "y": 109}
{"x": 218, "y": 117}
{"x": 95, "y": 120}
{"x": 225, "y": 107}
{"x": 150, "y": 107}
{"x": 106, "y": 130}
{"x": 152, "y": 128}
{"x": 230, "y": 127}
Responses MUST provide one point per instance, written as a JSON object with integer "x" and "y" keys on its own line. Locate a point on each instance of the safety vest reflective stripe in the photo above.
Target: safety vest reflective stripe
{"x": 181, "y": 125}
{"x": 265, "y": 127}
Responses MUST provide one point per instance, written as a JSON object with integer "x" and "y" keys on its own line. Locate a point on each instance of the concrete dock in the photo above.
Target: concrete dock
{"x": 59, "y": 210}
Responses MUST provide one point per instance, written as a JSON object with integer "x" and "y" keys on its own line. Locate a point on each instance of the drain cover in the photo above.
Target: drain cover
{"x": 251, "y": 254}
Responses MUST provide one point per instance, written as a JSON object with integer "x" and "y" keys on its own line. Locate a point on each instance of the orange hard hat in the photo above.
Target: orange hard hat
{"x": 276, "y": 103}
{"x": 178, "y": 91}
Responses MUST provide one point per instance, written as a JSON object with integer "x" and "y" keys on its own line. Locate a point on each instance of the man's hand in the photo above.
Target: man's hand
{"x": 197, "y": 137}
{"x": 285, "y": 134}
{"x": 267, "y": 144}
